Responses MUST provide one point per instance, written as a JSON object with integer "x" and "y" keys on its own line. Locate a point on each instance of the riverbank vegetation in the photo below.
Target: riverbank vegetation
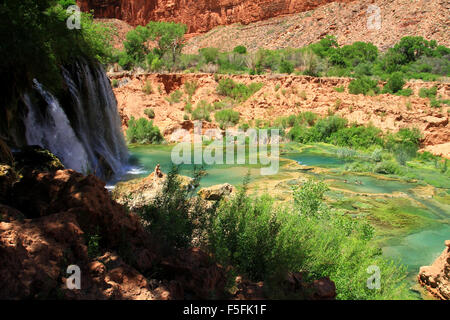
{"x": 412, "y": 57}
{"x": 262, "y": 241}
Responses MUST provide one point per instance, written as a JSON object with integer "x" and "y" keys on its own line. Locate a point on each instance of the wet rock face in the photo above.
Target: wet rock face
{"x": 198, "y": 15}
{"x": 436, "y": 278}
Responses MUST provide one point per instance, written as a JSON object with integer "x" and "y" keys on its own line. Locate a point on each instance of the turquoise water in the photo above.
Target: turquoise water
{"x": 146, "y": 158}
{"x": 413, "y": 250}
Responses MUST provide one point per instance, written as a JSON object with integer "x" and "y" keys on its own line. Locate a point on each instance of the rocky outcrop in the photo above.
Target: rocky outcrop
{"x": 60, "y": 218}
{"x": 198, "y": 15}
{"x": 284, "y": 95}
{"x": 217, "y": 192}
{"x": 436, "y": 278}
{"x": 294, "y": 286}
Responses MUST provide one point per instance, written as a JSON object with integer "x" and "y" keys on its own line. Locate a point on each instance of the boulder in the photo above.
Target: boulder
{"x": 436, "y": 278}
{"x": 7, "y": 178}
{"x": 217, "y": 192}
{"x": 36, "y": 158}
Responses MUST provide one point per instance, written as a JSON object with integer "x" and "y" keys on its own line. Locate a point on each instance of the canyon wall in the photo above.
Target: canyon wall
{"x": 198, "y": 15}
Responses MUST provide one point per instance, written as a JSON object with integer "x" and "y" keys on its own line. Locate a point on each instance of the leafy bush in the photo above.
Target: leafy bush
{"x": 240, "y": 50}
{"x": 405, "y": 92}
{"x": 363, "y": 86}
{"x": 227, "y": 117}
{"x": 150, "y": 113}
{"x": 238, "y": 91}
{"x": 210, "y": 55}
{"x": 357, "y": 137}
{"x": 339, "y": 89}
{"x": 147, "y": 88}
{"x": 428, "y": 93}
{"x": 395, "y": 83}
{"x": 175, "y": 97}
{"x": 286, "y": 67}
{"x": 202, "y": 111}
{"x": 143, "y": 131}
{"x": 264, "y": 241}
{"x": 175, "y": 216}
{"x": 190, "y": 87}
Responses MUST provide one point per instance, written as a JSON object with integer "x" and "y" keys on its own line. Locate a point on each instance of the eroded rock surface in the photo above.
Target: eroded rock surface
{"x": 436, "y": 278}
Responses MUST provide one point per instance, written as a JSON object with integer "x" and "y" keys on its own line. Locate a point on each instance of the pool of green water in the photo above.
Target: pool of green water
{"x": 413, "y": 249}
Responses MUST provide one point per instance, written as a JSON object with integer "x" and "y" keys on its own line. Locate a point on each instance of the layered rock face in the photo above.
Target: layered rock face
{"x": 198, "y": 15}
{"x": 436, "y": 278}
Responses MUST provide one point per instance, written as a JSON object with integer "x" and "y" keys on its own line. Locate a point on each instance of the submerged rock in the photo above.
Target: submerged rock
{"x": 436, "y": 278}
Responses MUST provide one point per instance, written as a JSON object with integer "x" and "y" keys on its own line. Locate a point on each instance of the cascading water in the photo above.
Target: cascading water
{"x": 84, "y": 133}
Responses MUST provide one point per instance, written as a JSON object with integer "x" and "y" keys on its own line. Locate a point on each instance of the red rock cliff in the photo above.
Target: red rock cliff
{"x": 199, "y": 15}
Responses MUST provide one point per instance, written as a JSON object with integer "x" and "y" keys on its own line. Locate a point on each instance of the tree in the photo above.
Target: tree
{"x": 169, "y": 35}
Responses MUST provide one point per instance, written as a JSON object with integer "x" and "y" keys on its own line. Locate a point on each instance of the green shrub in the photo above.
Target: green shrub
{"x": 175, "y": 215}
{"x": 210, "y": 55}
{"x": 428, "y": 93}
{"x": 395, "y": 83}
{"x": 286, "y": 67}
{"x": 202, "y": 111}
{"x": 363, "y": 86}
{"x": 150, "y": 113}
{"x": 238, "y": 91}
{"x": 405, "y": 92}
{"x": 115, "y": 83}
{"x": 263, "y": 241}
{"x": 387, "y": 167}
{"x": 175, "y": 97}
{"x": 190, "y": 87}
{"x": 143, "y": 131}
{"x": 227, "y": 117}
{"x": 240, "y": 50}
{"x": 147, "y": 88}
{"x": 339, "y": 89}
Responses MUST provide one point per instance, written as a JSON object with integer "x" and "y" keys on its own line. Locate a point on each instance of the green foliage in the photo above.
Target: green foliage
{"x": 339, "y": 89}
{"x": 264, "y": 241}
{"x": 240, "y": 50}
{"x": 210, "y": 55}
{"x": 150, "y": 113}
{"x": 357, "y": 137}
{"x": 147, "y": 88}
{"x": 114, "y": 83}
{"x": 175, "y": 216}
{"x": 175, "y": 97}
{"x": 227, "y": 117}
{"x": 93, "y": 245}
{"x": 308, "y": 199}
{"x": 238, "y": 91}
{"x": 36, "y": 41}
{"x": 363, "y": 85}
{"x": 190, "y": 87}
{"x": 405, "y": 92}
{"x": 169, "y": 37}
{"x": 286, "y": 67}
{"x": 395, "y": 83}
{"x": 428, "y": 93}
{"x": 202, "y": 111}
{"x": 143, "y": 131}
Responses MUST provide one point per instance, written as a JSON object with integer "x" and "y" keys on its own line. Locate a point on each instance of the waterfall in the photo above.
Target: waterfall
{"x": 85, "y": 133}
